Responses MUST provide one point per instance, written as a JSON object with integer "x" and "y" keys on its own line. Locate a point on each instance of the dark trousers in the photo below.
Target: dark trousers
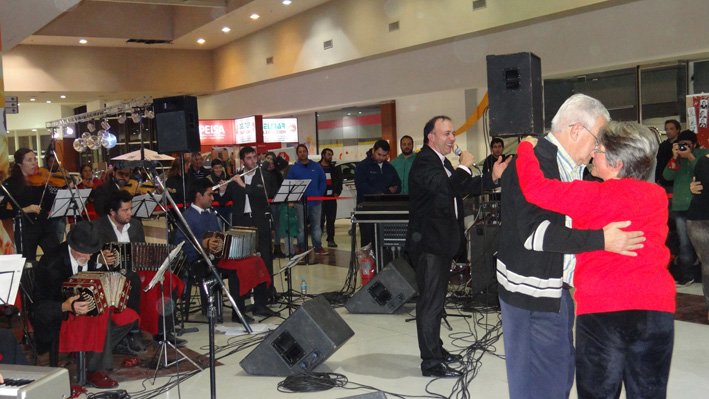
{"x": 96, "y": 361}
{"x": 687, "y": 255}
{"x": 539, "y": 350}
{"x": 264, "y": 235}
{"x": 633, "y": 347}
{"x": 327, "y": 218}
{"x": 40, "y": 233}
{"x": 134, "y": 296}
{"x": 432, "y": 280}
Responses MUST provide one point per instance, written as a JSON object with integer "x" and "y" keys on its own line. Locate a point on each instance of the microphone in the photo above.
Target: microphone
{"x": 457, "y": 151}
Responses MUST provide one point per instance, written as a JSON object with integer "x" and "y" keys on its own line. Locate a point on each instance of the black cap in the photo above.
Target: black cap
{"x": 84, "y": 238}
{"x": 687, "y": 135}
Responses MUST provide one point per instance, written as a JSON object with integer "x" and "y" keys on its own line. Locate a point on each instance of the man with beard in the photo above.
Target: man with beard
{"x": 403, "y": 162}
{"x": 113, "y": 186}
{"x": 496, "y": 148}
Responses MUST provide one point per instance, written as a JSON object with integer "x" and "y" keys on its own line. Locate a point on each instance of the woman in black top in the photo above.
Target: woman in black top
{"x": 34, "y": 203}
{"x": 217, "y": 175}
{"x": 698, "y": 220}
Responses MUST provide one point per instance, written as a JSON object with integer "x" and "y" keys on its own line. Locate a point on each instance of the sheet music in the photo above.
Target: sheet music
{"x": 291, "y": 190}
{"x": 144, "y": 205}
{"x": 61, "y": 206}
{"x": 11, "y": 267}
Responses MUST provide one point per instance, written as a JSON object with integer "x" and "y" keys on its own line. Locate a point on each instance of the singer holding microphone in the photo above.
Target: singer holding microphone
{"x": 435, "y": 233}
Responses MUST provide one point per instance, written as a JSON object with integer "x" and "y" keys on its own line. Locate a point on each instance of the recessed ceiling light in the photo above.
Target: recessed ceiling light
{"x": 62, "y": 96}
{"x": 254, "y": 16}
{"x": 286, "y": 2}
{"x": 226, "y": 29}
{"x": 34, "y": 130}
{"x": 201, "y": 41}
{"x": 83, "y": 41}
{"x": 32, "y": 99}
{"x": 49, "y": 101}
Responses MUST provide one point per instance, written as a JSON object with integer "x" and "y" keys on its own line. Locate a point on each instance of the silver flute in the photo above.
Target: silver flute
{"x": 217, "y": 186}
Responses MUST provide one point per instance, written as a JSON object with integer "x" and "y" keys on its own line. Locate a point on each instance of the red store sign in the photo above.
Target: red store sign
{"x": 216, "y": 132}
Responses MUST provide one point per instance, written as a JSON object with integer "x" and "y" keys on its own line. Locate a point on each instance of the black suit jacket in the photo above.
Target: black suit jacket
{"x": 255, "y": 191}
{"x": 433, "y": 225}
{"x": 53, "y": 269}
{"x": 106, "y": 233}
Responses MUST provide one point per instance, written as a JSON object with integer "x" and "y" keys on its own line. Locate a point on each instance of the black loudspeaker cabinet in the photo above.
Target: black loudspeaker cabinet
{"x": 302, "y": 342}
{"x": 514, "y": 84}
{"x": 177, "y": 124}
{"x": 387, "y": 291}
{"x": 483, "y": 242}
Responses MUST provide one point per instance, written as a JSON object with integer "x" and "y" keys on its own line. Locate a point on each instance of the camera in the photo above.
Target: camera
{"x": 682, "y": 146}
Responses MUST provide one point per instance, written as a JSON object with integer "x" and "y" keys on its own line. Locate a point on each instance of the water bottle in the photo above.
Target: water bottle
{"x": 303, "y": 287}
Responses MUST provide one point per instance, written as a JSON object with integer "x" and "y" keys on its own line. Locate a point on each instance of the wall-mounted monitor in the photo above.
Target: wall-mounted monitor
{"x": 280, "y": 130}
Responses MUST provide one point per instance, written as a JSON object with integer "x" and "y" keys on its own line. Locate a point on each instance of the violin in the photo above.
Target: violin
{"x": 136, "y": 188}
{"x": 44, "y": 176}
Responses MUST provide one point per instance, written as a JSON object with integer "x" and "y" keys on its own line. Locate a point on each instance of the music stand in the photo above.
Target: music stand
{"x": 292, "y": 190}
{"x": 160, "y": 278}
{"x": 144, "y": 205}
{"x": 70, "y": 203}
{"x": 287, "y": 268}
{"x": 11, "y": 267}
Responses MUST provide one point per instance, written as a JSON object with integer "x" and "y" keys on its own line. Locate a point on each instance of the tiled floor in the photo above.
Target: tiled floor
{"x": 383, "y": 352}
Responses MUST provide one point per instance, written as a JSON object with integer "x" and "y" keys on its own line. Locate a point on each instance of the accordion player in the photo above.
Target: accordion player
{"x": 100, "y": 290}
{"x": 237, "y": 243}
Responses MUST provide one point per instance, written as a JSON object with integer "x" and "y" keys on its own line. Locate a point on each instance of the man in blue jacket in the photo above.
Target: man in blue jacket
{"x": 374, "y": 175}
{"x": 305, "y": 169}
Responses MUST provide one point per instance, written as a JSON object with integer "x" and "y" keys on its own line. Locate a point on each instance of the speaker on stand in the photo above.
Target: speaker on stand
{"x": 177, "y": 124}
{"x": 483, "y": 241}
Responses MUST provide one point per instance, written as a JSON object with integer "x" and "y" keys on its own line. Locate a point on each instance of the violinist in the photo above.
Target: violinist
{"x": 113, "y": 185}
{"x": 87, "y": 177}
{"x": 29, "y": 197}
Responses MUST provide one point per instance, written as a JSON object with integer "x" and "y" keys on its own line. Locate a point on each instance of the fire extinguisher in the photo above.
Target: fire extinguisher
{"x": 366, "y": 266}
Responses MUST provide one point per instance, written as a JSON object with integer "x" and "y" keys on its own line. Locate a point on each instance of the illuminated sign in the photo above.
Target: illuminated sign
{"x": 216, "y": 132}
{"x": 280, "y": 130}
{"x": 245, "y": 130}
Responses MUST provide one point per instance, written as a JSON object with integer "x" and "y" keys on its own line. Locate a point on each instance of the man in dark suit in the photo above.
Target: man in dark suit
{"x": 251, "y": 208}
{"x": 108, "y": 190}
{"x": 50, "y": 308}
{"x": 119, "y": 225}
{"x": 435, "y": 233}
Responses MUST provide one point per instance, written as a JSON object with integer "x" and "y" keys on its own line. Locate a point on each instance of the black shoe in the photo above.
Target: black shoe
{"x": 263, "y": 311}
{"x": 235, "y": 319}
{"x": 441, "y": 370}
{"x": 685, "y": 282}
{"x": 331, "y": 244}
{"x": 135, "y": 343}
{"x": 178, "y": 342}
{"x": 122, "y": 348}
{"x": 451, "y": 358}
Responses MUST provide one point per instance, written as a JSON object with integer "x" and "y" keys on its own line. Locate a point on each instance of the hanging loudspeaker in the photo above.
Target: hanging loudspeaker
{"x": 177, "y": 124}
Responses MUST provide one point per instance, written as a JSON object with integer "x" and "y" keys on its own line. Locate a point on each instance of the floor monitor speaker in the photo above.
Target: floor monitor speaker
{"x": 514, "y": 84}
{"x": 387, "y": 291}
{"x": 177, "y": 124}
{"x": 302, "y": 342}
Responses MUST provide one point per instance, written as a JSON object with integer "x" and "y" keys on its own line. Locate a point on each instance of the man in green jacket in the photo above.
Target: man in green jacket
{"x": 680, "y": 169}
{"x": 403, "y": 162}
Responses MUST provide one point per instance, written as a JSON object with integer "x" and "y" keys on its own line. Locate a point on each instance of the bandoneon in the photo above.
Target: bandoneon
{"x": 236, "y": 243}
{"x": 100, "y": 289}
{"x": 137, "y": 256}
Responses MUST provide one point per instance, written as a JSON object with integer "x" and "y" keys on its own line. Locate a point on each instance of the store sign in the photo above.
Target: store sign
{"x": 280, "y": 130}
{"x": 245, "y": 130}
{"x": 216, "y": 132}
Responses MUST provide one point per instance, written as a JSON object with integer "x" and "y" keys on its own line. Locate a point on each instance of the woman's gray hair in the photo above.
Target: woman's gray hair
{"x": 630, "y": 143}
{"x": 578, "y": 108}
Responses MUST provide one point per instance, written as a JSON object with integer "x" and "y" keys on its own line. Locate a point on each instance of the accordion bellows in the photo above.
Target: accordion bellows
{"x": 100, "y": 289}
{"x": 236, "y": 243}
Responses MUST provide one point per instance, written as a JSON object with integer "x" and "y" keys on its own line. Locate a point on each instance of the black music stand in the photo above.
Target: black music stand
{"x": 293, "y": 190}
{"x": 66, "y": 203}
{"x": 160, "y": 278}
{"x": 144, "y": 205}
{"x": 287, "y": 268}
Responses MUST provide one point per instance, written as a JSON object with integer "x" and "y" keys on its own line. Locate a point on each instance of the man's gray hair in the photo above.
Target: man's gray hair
{"x": 632, "y": 144}
{"x": 578, "y": 108}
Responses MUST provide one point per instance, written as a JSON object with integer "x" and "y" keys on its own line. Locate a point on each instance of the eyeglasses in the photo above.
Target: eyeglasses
{"x": 597, "y": 151}
{"x": 594, "y": 136}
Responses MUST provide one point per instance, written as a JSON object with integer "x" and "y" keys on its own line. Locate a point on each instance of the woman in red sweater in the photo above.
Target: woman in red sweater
{"x": 625, "y": 305}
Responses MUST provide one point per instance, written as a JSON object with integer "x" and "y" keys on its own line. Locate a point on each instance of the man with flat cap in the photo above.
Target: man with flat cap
{"x": 51, "y": 308}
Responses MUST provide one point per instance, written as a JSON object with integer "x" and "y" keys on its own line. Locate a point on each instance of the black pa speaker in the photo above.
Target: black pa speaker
{"x": 483, "y": 242}
{"x": 387, "y": 291}
{"x": 302, "y": 342}
{"x": 177, "y": 124}
{"x": 514, "y": 84}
